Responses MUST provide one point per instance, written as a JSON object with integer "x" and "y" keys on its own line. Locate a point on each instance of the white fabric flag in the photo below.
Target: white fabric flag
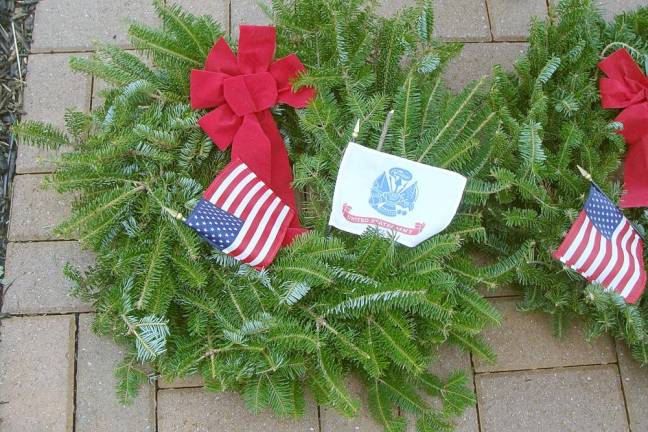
{"x": 394, "y": 194}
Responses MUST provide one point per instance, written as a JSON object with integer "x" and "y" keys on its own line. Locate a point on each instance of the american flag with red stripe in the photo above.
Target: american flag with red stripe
{"x": 605, "y": 248}
{"x": 241, "y": 216}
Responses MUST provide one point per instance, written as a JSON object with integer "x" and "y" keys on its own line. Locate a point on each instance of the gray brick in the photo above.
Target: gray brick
{"x": 217, "y": 9}
{"x": 455, "y": 20}
{"x": 190, "y": 381}
{"x": 571, "y": 399}
{"x": 38, "y": 285}
{"x": 36, "y": 211}
{"x": 51, "y": 88}
{"x": 97, "y": 407}
{"x": 635, "y": 386}
{"x": 451, "y": 359}
{"x": 332, "y": 421}
{"x": 526, "y": 341}
{"x": 510, "y": 19}
{"x": 611, "y": 8}
{"x": 203, "y": 411}
{"x": 477, "y": 60}
{"x": 72, "y": 25}
{"x": 247, "y": 12}
{"x": 37, "y": 374}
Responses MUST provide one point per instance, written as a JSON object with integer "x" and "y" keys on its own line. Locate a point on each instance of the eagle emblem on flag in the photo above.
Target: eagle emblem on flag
{"x": 393, "y": 193}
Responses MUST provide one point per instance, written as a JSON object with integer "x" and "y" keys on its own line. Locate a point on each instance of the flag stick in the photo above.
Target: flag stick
{"x": 356, "y": 131}
{"x": 383, "y": 135}
{"x": 174, "y": 214}
{"x": 584, "y": 173}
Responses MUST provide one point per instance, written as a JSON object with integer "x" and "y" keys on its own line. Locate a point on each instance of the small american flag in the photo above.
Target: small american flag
{"x": 604, "y": 247}
{"x": 241, "y": 216}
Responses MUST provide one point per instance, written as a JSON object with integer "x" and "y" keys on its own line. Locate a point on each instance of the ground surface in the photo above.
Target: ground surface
{"x": 55, "y": 375}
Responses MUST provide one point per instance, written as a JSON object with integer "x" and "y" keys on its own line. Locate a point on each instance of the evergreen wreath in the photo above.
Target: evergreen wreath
{"x": 551, "y": 111}
{"x": 330, "y": 306}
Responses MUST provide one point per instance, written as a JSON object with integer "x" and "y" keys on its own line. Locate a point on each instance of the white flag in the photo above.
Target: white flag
{"x": 394, "y": 194}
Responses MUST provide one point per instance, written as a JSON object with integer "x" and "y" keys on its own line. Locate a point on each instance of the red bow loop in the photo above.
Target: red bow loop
{"x": 242, "y": 88}
{"x": 626, "y": 87}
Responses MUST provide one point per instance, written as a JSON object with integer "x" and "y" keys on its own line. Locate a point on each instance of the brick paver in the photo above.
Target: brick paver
{"x": 97, "y": 408}
{"x": 581, "y": 399}
{"x": 246, "y": 12}
{"x": 35, "y": 210}
{"x": 38, "y": 285}
{"x": 635, "y": 386}
{"x": 37, "y": 374}
{"x": 450, "y": 359}
{"x": 332, "y": 421}
{"x": 217, "y": 9}
{"x": 477, "y": 60}
{"x": 190, "y": 381}
{"x": 455, "y": 20}
{"x": 510, "y": 19}
{"x": 73, "y": 25}
{"x": 51, "y": 88}
{"x": 37, "y": 382}
{"x": 526, "y": 341}
{"x": 194, "y": 409}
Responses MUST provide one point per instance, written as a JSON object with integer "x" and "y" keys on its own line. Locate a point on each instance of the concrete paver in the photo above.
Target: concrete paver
{"x": 332, "y": 421}
{"x": 97, "y": 407}
{"x": 38, "y": 285}
{"x": 450, "y": 359}
{"x": 51, "y": 88}
{"x": 477, "y": 60}
{"x": 510, "y": 19}
{"x": 204, "y": 411}
{"x": 246, "y": 12}
{"x": 36, "y": 211}
{"x": 76, "y": 25}
{"x": 456, "y": 20}
{"x": 37, "y": 374}
{"x": 634, "y": 379}
{"x": 190, "y": 381}
{"x": 571, "y": 399}
{"x": 217, "y": 9}
{"x": 526, "y": 341}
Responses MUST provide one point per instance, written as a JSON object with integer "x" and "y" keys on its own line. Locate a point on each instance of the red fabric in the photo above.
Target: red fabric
{"x": 242, "y": 89}
{"x": 626, "y": 87}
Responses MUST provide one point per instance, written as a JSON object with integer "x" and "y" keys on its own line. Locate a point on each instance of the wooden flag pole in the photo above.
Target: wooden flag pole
{"x": 174, "y": 214}
{"x": 383, "y": 135}
{"x": 356, "y": 131}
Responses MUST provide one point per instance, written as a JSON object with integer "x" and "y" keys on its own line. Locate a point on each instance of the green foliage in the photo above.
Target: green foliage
{"x": 553, "y": 119}
{"x": 331, "y": 306}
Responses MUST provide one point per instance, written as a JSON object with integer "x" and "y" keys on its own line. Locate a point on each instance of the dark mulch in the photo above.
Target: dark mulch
{"x": 16, "y": 24}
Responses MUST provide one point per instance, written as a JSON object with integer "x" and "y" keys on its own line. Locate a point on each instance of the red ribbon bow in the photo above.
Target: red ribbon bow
{"x": 243, "y": 88}
{"x": 626, "y": 87}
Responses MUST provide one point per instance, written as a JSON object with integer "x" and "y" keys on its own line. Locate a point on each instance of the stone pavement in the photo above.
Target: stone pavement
{"x": 56, "y": 375}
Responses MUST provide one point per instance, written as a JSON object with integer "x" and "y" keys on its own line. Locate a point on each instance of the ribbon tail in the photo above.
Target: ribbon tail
{"x": 252, "y": 146}
{"x": 281, "y": 172}
{"x": 635, "y": 174}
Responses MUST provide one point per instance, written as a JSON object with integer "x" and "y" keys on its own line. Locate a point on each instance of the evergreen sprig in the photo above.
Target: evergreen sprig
{"x": 330, "y": 306}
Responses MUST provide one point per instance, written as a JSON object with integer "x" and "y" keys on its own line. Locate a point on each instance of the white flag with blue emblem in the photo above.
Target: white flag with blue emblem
{"x": 413, "y": 200}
